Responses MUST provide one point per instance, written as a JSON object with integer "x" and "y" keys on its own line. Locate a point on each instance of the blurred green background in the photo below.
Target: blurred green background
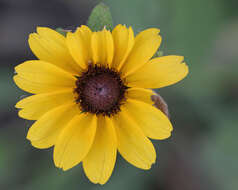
{"x": 202, "y": 152}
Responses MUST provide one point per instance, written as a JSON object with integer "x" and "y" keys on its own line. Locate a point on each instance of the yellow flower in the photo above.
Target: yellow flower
{"x": 92, "y": 96}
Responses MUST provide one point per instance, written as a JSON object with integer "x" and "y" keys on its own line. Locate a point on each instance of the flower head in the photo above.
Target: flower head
{"x": 92, "y": 96}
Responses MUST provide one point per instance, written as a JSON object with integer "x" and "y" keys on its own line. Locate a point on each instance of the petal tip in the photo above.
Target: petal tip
{"x": 41, "y": 29}
{"x": 186, "y": 69}
{"x": 32, "y": 35}
{"x": 65, "y": 168}
{"x": 18, "y": 105}
{"x": 69, "y": 34}
{"x": 20, "y": 114}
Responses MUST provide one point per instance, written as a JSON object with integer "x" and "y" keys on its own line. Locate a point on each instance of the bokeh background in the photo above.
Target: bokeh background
{"x": 202, "y": 152}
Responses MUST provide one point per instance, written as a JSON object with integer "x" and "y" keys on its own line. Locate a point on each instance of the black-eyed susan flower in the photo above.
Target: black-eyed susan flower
{"x": 92, "y": 96}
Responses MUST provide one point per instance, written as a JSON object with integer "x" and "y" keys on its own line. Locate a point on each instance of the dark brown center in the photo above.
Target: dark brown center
{"x": 100, "y": 90}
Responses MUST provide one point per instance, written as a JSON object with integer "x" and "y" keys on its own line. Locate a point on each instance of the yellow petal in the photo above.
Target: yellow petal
{"x": 133, "y": 145}
{"x": 33, "y": 107}
{"x": 151, "y": 120}
{"x": 159, "y": 72}
{"x": 102, "y": 47}
{"x": 99, "y": 162}
{"x": 75, "y": 141}
{"x": 45, "y": 143}
{"x": 86, "y": 35}
{"x": 48, "y": 45}
{"x": 79, "y": 44}
{"x": 141, "y": 94}
{"x": 30, "y": 86}
{"x": 44, "y": 132}
{"x": 146, "y": 45}
{"x": 123, "y": 42}
{"x": 39, "y": 77}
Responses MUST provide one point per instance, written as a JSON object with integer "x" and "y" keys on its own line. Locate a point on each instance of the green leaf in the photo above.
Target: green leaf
{"x": 100, "y": 17}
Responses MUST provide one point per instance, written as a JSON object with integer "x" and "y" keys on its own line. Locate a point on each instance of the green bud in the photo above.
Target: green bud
{"x": 159, "y": 53}
{"x": 62, "y": 31}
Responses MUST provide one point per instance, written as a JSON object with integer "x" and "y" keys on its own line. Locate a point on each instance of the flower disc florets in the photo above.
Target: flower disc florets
{"x": 100, "y": 90}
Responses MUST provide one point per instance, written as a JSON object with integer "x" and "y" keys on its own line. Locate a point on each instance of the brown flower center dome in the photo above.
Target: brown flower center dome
{"x": 100, "y": 90}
